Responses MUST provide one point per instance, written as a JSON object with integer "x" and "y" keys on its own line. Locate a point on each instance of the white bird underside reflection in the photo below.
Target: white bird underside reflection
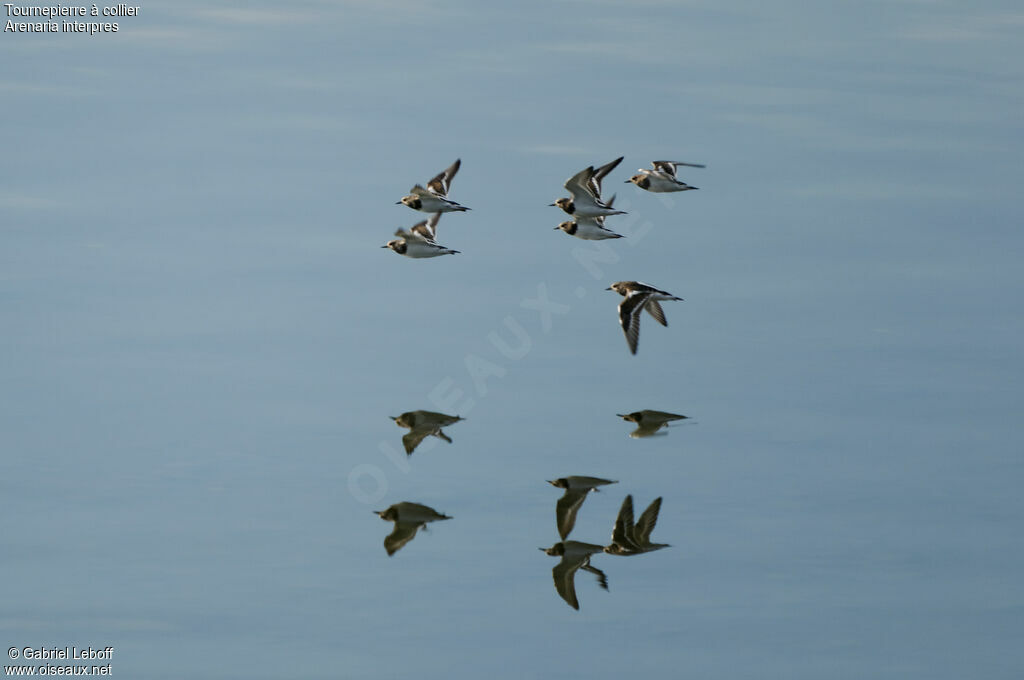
{"x": 650, "y": 423}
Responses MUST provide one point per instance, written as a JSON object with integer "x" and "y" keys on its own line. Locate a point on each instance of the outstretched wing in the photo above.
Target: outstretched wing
{"x": 600, "y": 173}
{"x": 564, "y": 575}
{"x": 656, "y": 311}
{"x": 566, "y": 509}
{"x": 629, "y": 317}
{"x": 443, "y": 180}
{"x": 579, "y": 184}
{"x": 648, "y": 431}
{"x": 669, "y": 167}
{"x": 400, "y": 535}
{"x": 419, "y": 433}
{"x": 427, "y": 229}
{"x": 622, "y": 532}
{"x": 645, "y": 525}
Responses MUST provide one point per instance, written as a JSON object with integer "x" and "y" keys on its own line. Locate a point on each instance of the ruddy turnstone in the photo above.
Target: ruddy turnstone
{"x": 425, "y": 230}
{"x": 589, "y": 228}
{"x": 585, "y": 188}
{"x": 638, "y": 297}
{"x": 435, "y": 197}
{"x": 576, "y": 490}
{"x": 418, "y": 242}
{"x": 662, "y": 178}
{"x": 418, "y": 248}
{"x": 408, "y": 519}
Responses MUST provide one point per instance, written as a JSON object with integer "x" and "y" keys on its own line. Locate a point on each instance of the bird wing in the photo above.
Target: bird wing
{"x": 600, "y": 173}
{"x": 435, "y": 418}
{"x": 400, "y": 535}
{"x": 564, "y": 575}
{"x": 629, "y": 317}
{"x": 656, "y": 311}
{"x": 579, "y": 185}
{"x": 417, "y": 435}
{"x": 647, "y": 431}
{"x": 664, "y": 416}
{"x": 645, "y": 524}
{"x": 415, "y": 233}
{"x": 566, "y": 509}
{"x": 419, "y": 513}
{"x": 581, "y": 482}
{"x": 622, "y": 532}
{"x": 669, "y": 167}
{"x": 443, "y": 180}
{"x": 427, "y": 229}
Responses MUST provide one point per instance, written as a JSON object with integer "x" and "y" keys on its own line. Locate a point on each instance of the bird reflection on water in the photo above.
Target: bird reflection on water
{"x": 628, "y": 537}
{"x": 422, "y": 424}
{"x": 408, "y": 518}
{"x": 650, "y": 423}
{"x": 575, "y": 556}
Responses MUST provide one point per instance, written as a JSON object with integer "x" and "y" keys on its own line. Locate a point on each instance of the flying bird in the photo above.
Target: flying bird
{"x": 418, "y": 242}
{"x": 585, "y": 188}
{"x": 638, "y": 297}
{"x": 589, "y": 228}
{"x": 434, "y": 198}
{"x": 418, "y": 248}
{"x": 662, "y": 179}
{"x": 425, "y": 230}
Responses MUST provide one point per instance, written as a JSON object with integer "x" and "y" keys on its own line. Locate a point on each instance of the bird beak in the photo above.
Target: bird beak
{"x": 626, "y": 182}
{"x": 620, "y": 415}
{"x": 383, "y": 246}
{"x": 398, "y": 203}
{"x": 549, "y": 482}
{"x": 608, "y": 288}
{"x": 557, "y": 228}
{"x": 552, "y": 205}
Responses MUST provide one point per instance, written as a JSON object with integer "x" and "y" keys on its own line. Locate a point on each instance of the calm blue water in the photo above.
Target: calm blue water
{"x": 203, "y": 340}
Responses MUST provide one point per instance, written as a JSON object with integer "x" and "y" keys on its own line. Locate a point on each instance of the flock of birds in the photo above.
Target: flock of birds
{"x": 588, "y": 212}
